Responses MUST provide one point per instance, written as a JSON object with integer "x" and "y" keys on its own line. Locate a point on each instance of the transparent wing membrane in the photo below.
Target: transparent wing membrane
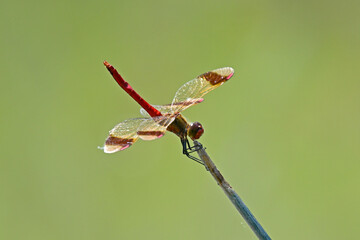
{"x": 129, "y": 131}
{"x": 174, "y": 108}
{"x": 123, "y": 135}
{"x": 154, "y": 128}
{"x": 192, "y": 92}
{"x": 164, "y": 109}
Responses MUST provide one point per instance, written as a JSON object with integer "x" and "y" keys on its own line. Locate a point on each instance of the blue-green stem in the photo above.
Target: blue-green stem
{"x": 231, "y": 194}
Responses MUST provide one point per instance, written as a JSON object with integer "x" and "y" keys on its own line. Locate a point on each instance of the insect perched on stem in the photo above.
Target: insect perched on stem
{"x": 161, "y": 118}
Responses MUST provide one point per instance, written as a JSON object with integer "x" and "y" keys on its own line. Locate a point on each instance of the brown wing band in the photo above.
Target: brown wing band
{"x": 118, "y": 141}
{"x": 150, "y": 133}
{"x": 214, "y": 78}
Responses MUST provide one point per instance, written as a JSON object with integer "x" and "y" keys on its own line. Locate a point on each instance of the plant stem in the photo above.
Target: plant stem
{"x": 231, "y": 194}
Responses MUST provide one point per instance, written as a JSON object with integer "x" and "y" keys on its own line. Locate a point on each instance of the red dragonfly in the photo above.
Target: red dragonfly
{"x": 161, "y": 118}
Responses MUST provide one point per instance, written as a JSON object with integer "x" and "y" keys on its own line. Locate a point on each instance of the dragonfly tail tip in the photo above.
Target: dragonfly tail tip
{"x": 106, "y": 64}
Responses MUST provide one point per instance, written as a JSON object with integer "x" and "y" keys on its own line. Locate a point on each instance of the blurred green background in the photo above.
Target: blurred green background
{"x": 284, "y": 131}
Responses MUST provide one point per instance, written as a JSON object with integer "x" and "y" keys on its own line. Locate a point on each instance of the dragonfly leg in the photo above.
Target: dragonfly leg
{"x": 192, "y": 149}
{"x": 188, "y": 143}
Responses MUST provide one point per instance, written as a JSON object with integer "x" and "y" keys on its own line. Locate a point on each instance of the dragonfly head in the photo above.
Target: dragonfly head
{"x": 195, "y": 130}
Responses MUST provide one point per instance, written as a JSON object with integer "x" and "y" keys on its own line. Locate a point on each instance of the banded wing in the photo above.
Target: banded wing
{"x": 164, "y": 109}
{"x": 170, "y": 109}
{"x": 192, "y": 92}
{"x": 129, "y": 131}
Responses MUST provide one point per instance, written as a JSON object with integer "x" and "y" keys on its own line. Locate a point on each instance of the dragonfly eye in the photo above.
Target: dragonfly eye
{"x": 195, "y": 131}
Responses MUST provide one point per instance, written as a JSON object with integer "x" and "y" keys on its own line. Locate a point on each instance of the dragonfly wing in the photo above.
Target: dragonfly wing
{"x": 164, "y": 109}
{"x": 192, "y": 92}
{"x": 172, "y": 108}
{"x": 126, "y": 133}
{"x": 154, "y": 128}
{"x": 123, "y": 135}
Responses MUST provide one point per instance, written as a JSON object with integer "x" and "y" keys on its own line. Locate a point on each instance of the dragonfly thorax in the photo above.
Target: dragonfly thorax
{"x": 195, "y": 130}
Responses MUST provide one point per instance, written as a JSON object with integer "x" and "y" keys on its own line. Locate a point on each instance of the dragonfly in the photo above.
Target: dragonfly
{"x": 157, "y": 119}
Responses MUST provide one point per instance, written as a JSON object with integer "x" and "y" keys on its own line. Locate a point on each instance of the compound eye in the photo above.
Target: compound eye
{"x": 195, "y": 130}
